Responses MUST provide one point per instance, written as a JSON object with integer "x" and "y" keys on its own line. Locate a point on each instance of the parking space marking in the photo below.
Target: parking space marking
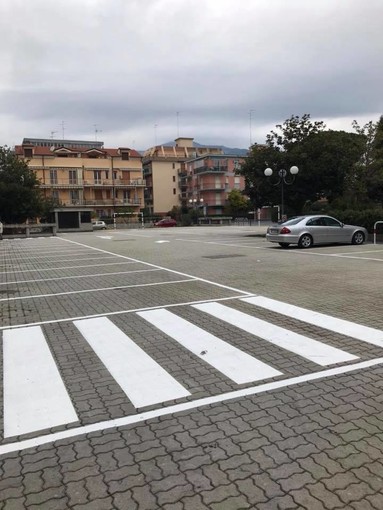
{"x": 186, "y": 406}
{"x": 313, "y": 350}
{"x": 141, "y": 378}
{"x": 79, "y": 276}
{"x": 118, "y": 312}
{"x": 58, "y": 261}
{"x": 67, "y": 267}
{"x": 237, "y": 365}
{"x": 363, "y": 333}
{"x": 119, "y": 287}
{"x": 35, "y": 397}
{"x": 215, "y": 284}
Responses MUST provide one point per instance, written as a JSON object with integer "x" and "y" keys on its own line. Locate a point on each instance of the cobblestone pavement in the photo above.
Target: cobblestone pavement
{"x": 310, "y": 437}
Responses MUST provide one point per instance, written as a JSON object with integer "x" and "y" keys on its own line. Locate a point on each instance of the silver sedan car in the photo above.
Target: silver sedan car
{"x": 305, "y": 231}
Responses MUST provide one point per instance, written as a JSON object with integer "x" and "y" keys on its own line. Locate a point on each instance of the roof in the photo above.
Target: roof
{"x": 46, "y": 151}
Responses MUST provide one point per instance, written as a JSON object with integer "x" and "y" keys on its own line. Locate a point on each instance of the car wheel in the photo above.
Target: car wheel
{"x": 305, "y": 241}
{"x": 284, "y": 245}
{"x": 358, "y": 238}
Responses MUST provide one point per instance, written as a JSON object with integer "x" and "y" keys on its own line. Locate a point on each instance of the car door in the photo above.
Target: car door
{"x": 335, "y": 231}
{"x": 317, "y": 230}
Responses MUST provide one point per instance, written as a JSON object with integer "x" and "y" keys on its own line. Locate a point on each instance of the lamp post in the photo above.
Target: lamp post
{"x": 282, "y": 181}
{"x": 195, "y": 202}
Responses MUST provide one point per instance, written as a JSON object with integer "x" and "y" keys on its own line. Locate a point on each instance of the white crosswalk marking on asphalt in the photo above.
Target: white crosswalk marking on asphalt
{"x": 142, "y": 379}
{"x": 35, "y": 397}
{"x": 311, "y": 349}
{"x": 239, "y": 366}
{"x": 364, "y": 333}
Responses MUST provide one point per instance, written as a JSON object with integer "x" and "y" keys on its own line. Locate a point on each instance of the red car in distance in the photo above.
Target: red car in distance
{"x": 166, "y": 222}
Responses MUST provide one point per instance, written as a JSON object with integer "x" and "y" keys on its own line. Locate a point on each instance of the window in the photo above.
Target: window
{"x": 97, "y": 176}
{"x": 74, "y": 197}
{"x": 53, "y": 176}
{"x": 72, "y": 177}
{"x": 174, "y": 191}
{"x": 330, "y": 222}
{"x": 315, "y": 222}
{"x": 28, "y": 153}
{"x": 55, "y": 196}
{"x": 173, "y": 166}
{"x": 125, "y": 155}
{"x": 174, "y": 178}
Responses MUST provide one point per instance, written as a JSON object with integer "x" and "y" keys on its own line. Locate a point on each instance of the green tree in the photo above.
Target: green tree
{"x": 20, "y": 197}
{"x": 375, "y": 175}
{"x": 237, "y": 205}
{"x": 324, "y": 159}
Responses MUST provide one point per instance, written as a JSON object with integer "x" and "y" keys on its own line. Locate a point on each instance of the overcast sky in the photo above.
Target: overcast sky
{"x": 232, "y": 69}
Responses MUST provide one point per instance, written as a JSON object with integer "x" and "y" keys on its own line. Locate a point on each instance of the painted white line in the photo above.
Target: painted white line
{"x": 164, "y": 411}
{"x": 364, "y": 333}
{"x": 161, "y": 267}
{"x": 118, "y": 312}
{"x": 142, "y": 379}
{"x": 68, "y": 267}
{"x": 35, "y": 397}
{"x": 132, "y": 235}
{"x": 119, "y": 287}
{"x": 105, "y": 237}
{"x": 357, "y": 258}
{"x": 237, "y": 365}
{"x": 161, "y": 242}
{"x": 308, "y": 348}
{"x": 357, "y": 252}
{"x": 79, "y": 276}
{"x": 64, "y": 260}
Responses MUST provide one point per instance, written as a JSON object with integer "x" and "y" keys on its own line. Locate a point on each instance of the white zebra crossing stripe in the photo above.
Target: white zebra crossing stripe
{"x": 239, "y": 366}
{"x": 142, "y": 379}
{"x": 35, "y": 397}
{"x": 311, "y": 349}
{"x": 364, "y": 333}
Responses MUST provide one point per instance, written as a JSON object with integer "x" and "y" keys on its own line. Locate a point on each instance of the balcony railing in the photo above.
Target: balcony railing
{"x": 211, "y": 187}
{"x": 134, "y": 183}
{"x": 103, "y": 202}
{"x": 211, "y": 170}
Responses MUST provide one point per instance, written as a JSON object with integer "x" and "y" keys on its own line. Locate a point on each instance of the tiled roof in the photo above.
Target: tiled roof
{"x": 46, "y": 151}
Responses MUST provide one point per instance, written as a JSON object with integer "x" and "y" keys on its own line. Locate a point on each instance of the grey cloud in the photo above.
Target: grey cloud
{"x": 127, "y": 65}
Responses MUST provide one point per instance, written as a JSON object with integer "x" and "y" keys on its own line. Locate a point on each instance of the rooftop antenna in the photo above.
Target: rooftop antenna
{"x": 250, "y": 126}
{"x": 96, "y": 131}
{"x": 63, "y": 128}
{"x": 155, "y": 134}
{"x": 53, "y": 134}
{"x": 178, "y": 124}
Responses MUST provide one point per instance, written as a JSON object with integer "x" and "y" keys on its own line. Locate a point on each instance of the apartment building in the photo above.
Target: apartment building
{"x": 79, "y": 173}
{"x": 165, "y": 173}
{"x": 209, "y": 180}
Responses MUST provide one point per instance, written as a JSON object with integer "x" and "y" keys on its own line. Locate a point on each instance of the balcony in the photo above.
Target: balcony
{"x": 121, "y": 183}
{"x": 117, "y": 202}
{"x": 61, "y": 183}
{"x": 210, "y": 170}
{"x": 211, "y": 187}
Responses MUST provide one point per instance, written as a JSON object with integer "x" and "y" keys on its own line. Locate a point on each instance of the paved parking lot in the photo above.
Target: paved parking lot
{"x": 190, "y": 368}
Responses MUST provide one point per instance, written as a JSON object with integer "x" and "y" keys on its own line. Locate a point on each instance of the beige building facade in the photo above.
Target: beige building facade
{"x": 87, "y": 175}
{"x": 164, "y": 174}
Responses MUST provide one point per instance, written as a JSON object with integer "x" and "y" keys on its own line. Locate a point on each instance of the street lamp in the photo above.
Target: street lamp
{"x": 195, "y": 202}
{"x": 282, "y": 181}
